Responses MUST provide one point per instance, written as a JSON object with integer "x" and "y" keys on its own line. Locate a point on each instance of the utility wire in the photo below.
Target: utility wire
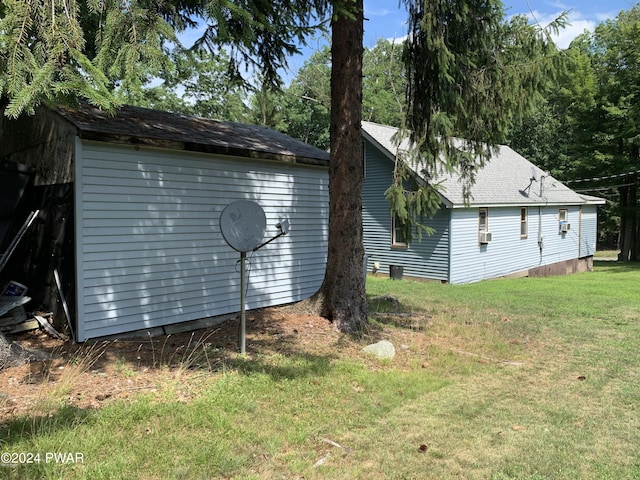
{"x": 600, "y": 189}
{"x": 606, "y": 177}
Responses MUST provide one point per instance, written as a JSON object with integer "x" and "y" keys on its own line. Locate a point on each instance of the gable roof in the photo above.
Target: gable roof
{"x": 506, "y": 179}
{"x": 136, "y": 125}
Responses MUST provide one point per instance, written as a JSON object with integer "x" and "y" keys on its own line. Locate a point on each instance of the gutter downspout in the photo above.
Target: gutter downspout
{"x": 540, "y": 236}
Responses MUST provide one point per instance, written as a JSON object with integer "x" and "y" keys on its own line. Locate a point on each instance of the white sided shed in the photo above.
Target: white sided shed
{"x": 149, "y": 188}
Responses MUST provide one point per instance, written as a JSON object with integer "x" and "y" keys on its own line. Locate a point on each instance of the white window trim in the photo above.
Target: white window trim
{"x": 484, "y": 228}
{"x": 481, "y": 227}
{"x": 394, "y": 242}
{"x": 524, "y": 223}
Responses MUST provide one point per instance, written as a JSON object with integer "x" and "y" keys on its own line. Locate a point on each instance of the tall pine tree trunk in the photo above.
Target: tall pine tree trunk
{"x": 630, "y": 215}
{"x": 628, "y": 223}
{"x": 343, "y": 291}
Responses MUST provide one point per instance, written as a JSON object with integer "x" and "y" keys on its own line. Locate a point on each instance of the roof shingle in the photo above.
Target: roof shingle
{"x": 506, "y": 179}
{"x": 144, "y": 126}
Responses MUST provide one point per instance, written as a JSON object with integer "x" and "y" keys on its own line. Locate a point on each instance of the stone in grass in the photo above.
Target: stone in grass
{"x": 384, "y": 350}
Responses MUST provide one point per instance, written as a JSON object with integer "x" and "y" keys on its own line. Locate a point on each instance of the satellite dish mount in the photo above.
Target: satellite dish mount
{"x": 243, "y": 224}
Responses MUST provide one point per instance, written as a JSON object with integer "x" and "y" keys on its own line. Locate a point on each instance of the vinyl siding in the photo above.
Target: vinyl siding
{"x": 507, "y": 253}
{"x": 149, "y": 247}
{"x": 454, "y": 254}
{"x": 588, "y": 230}
{"x": 427, "y": 258}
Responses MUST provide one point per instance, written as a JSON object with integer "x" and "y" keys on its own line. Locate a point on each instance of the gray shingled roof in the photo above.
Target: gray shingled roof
{"x": 137, "y": 125}
{"x": 502, "y": 181}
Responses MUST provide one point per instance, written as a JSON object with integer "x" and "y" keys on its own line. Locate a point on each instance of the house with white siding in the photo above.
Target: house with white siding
{"x": 518, "y": 221}
{"x": 136, "y": 198}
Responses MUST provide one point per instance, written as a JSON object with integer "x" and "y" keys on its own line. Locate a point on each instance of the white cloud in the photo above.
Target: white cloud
{"x": 377, "y": 12}
{"x": 571, "y": 31}
{"x": 577, "y": 24}
{"x": 397, "y": 40}
{"x": 602, "y": 16}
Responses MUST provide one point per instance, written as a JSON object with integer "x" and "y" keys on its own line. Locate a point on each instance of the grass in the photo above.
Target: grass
{"x": 607, "y": 254}
{"x": 505, "y": 379}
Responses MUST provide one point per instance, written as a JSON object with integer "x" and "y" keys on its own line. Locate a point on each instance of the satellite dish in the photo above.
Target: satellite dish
{"x": 243, "y": 224}
{"x": 534, "y": 174}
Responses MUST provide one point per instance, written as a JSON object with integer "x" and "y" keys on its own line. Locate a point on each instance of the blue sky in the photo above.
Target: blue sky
{"x": 385, "y": 19}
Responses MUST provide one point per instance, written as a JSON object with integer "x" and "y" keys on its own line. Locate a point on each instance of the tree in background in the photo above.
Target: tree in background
{"x": 384, "y": 84}
{"x": 303, "y": 107}
{"x": 615, "y": 56}
{"x": 594, "y": 104}
{"x": 469, "y": 75}
{"x": 196, "y": 84}
{"x": 306, "y": 102}
{"x": 105, "y": 51}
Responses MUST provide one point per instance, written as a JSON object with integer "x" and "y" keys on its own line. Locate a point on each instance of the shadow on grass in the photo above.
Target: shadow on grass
{"x": 282, "y": 349}
{"x": 290, "y": 368}
{"x": 615, "y": 267}
{"x": 207, "y": 350}
{"x": 388, "y": 310}
{"x": 271, "y": 351}
{"x": 24, "y": 428}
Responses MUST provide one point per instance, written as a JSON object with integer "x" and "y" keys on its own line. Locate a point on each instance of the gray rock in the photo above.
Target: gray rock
{"x": 388, "y": 298}
{"x": 384, "y": 350}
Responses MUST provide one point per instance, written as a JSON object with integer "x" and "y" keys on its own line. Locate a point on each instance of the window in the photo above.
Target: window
{"x": 484, "y": 236}
{"x": 563, "y": 221}
{"x": 483, "y": 219}
{"x": 524, "y": 221}
{"x": 398, "y": 235}
{"x": 563, "y": 215}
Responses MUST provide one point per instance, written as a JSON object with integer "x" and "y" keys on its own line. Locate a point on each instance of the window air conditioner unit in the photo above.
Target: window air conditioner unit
{"x": 485, "y": 237}
{"x": 565, "y": 227}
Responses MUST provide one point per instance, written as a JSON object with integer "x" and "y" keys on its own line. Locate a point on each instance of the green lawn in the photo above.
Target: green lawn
{"x": 518, "y": 378}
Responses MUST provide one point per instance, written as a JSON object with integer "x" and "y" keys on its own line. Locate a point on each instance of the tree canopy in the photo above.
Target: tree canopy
{"x": 469, "y": 74}
{"x": 594, "y": 104}
{"x": 196, "y": 84}
{"x": 302, "y": 109}
{"x": 105, "y": 50}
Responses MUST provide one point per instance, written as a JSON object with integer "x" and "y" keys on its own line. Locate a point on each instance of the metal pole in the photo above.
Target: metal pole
{"x": 243, "y": 317}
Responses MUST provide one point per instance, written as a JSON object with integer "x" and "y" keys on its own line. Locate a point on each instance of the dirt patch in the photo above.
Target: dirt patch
{"x": 89, "y": 375}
